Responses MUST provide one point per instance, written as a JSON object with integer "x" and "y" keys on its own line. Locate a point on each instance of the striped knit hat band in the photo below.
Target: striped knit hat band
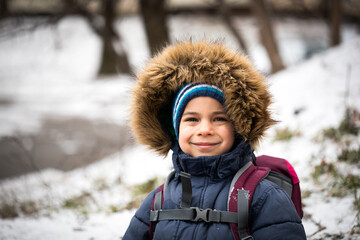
{"x": 187, "y": 93}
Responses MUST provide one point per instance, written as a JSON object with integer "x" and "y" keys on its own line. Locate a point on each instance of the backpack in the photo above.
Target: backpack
{"x": 242, "y": 188}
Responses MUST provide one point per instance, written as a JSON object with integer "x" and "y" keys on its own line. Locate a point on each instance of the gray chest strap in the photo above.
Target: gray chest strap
{"x": 186, "y": 212}
{"x": 195, "y": 214}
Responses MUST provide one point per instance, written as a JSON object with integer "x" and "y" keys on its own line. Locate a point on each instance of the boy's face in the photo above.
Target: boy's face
{"x": 205, "y": 128}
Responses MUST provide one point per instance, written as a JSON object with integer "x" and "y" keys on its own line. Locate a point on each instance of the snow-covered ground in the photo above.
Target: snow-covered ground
{"x": 52, "y": 71}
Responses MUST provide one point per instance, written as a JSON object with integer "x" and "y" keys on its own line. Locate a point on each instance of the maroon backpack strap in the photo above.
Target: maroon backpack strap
{"x": 283, "y": 167}
{"x": 242, "y": 189}
{"x": 156, "y": 205}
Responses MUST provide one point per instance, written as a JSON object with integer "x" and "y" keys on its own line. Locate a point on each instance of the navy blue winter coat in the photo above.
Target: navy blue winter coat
{"x": 272, "y": 213}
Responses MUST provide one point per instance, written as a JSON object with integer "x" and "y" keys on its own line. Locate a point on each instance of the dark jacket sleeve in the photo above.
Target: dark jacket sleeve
{"x": 140, "y": 222}
{"x": 273, "y": 215}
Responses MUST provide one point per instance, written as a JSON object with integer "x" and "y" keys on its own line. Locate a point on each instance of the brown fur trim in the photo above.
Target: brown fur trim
{"x": 246, "y": 94}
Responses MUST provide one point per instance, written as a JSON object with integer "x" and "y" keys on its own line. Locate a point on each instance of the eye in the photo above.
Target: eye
{"x": 190, "y": 119}
{"x": 220, "y": 119}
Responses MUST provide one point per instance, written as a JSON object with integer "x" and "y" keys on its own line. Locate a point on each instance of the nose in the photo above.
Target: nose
{"x": 205, "y": 128}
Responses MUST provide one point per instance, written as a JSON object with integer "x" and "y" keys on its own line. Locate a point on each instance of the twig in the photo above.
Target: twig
{"x": 320, "y": 227}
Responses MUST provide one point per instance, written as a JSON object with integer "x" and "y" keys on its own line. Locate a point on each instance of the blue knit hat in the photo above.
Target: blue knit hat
{"x": 189, "y": 92}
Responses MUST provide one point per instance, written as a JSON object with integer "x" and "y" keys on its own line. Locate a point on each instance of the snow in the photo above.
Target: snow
{"x": 52, "y": 72}
{"x": 67, "y": 226}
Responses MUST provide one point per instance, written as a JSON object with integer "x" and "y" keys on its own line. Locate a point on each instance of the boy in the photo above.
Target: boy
{"x": 210, "y": 107}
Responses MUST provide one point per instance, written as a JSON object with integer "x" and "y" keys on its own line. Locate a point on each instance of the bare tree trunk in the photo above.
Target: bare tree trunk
{"x": 226, "y": 15}
{"x": 114, "y": 58}
{"x": 4, "y": 8}
{"x": 335, "y": 19}
{"x": 154, "y": 17}
{"x": 267, "y": 36}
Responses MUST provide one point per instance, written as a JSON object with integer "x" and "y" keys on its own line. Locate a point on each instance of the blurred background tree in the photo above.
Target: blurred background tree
{"x": 154, "y": 18}
{"x": 4, "y": 9}
{"x": 101, "y": 15}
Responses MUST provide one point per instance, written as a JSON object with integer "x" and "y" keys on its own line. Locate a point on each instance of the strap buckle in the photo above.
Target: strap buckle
{"x": 154, "y": 215}
{"x": 248, "y": 238}
{"x": 201, "y": 214}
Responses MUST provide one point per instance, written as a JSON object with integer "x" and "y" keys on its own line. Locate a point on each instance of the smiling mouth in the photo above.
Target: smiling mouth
{"x": 205, "y": 145}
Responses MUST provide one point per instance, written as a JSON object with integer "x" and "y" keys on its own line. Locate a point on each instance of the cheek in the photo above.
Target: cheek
{"x": 183, "y": 140}
{"x": 184, "y": 133}
{"x": 229, "y": 134}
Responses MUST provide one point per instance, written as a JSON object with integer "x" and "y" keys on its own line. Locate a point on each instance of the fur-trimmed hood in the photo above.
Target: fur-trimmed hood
{"x": 246, "y": 94}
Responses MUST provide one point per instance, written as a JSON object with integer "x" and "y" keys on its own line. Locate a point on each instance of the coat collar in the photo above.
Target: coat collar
{"x": 216, "y": 167}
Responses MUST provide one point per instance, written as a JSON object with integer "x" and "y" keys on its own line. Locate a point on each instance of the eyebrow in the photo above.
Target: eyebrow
{"x": 214, "y": 113}
{"x": 220, "y": 112}
{"x": 189, "y": 113}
